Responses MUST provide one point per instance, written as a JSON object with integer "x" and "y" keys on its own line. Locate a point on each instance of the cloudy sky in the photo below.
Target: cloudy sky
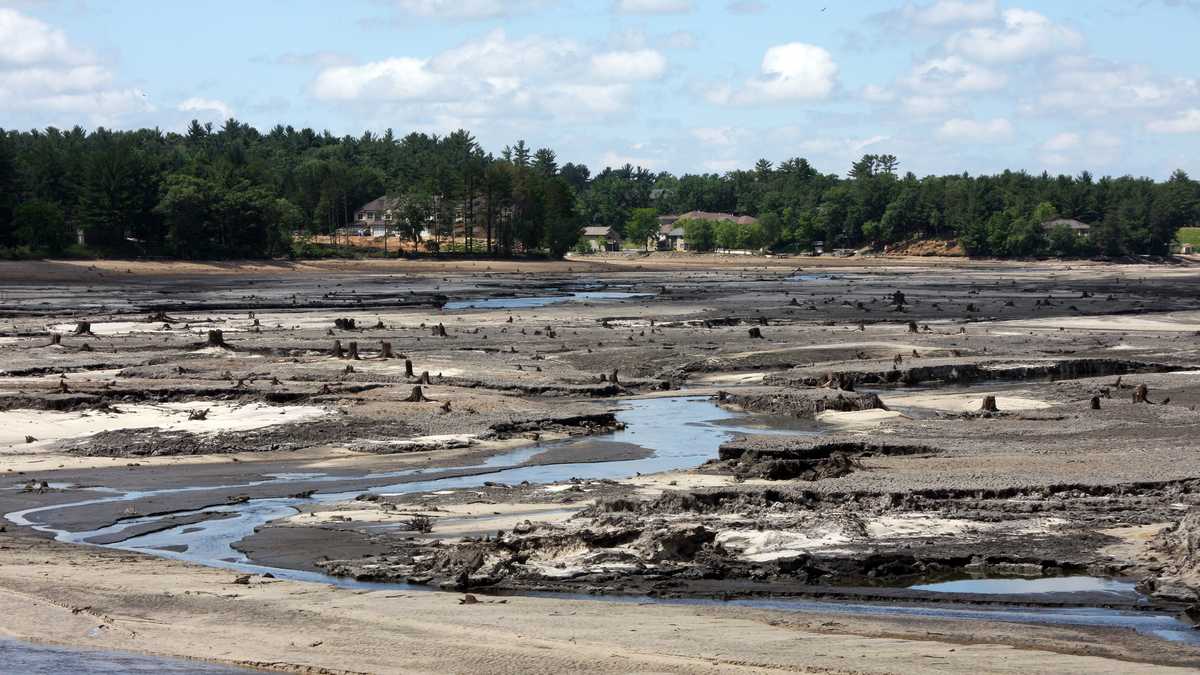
{"x": 1112, "y": 86}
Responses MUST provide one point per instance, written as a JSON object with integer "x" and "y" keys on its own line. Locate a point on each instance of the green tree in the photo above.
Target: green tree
{"x": 698, "y": 234}
{"x": 41, "y": 225}
{"x": 642, "y": 226}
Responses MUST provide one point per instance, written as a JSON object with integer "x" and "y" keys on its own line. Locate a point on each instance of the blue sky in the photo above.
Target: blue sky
{"x": 684, "y": 85}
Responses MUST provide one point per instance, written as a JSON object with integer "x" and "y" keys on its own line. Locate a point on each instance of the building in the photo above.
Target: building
{"x": 1079, "y": 228}
{"x": 600, "y": 238}
{"x": 671, "y": 238}
{"x": 671, "y": 235}
{"x": 377, "y": 216}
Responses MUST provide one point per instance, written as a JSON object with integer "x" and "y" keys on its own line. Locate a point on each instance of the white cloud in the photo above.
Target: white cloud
{"x": 1186, "y": 122}
{"x": 207, "y": 105}
{"x": 652, "y": 6}
{"x": 1062, "y": 141}
{"x": 874, "y": 93}
{"x": 616, "y": 160}
{"x": 41, "y": 71}
{"x": 942, "y": 13}
{"x": 467, "y": 10}
{"x": 1070, "y": 151}
{"x": 724, "y": 136}
{"x": 953, "y": 74}
{"x": 746, "y": 6}
{"x": 390, "y": 79}
{"x": 494, "y": 78}
{"x": 624, "y": 66}
{"x": 995, "y": 130}
{"x": 925, "y": 106}
{"x": 723, "y": 165}
{"x": 1023, "y": 35}
{"x": 1084, "y": 85}
{"x": 790, "y": 72}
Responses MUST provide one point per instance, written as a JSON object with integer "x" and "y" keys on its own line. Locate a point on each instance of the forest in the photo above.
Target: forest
{"x": 236, "y": 192}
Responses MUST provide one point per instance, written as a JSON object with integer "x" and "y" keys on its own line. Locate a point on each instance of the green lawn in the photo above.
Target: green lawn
{"x": 1188, "y": 235}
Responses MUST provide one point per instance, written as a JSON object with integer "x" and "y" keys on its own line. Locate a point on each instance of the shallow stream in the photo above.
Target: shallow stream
{"x": 683, "y": 432}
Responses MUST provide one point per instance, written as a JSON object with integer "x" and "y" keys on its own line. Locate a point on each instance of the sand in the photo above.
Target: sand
{"x": 103, "y": 599}
{"x": 48, "y": 427}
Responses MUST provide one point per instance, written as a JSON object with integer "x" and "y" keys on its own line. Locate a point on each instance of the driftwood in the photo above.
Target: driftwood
{"x": 198, "y": 415}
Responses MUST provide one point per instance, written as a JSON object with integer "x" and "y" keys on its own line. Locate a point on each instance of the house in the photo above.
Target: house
{"x": 376, "y": 217}
{"x": 671, "y": 238}
{"x": 706, "y": 215}
{"x": 1079, "y": 228}
{"x": 601, "y": 238}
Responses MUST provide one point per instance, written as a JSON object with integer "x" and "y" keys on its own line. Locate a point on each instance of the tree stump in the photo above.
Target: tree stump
{"x": 1095, "y": 403}
{"x": 898, "y": 299}
{"x": 344, "y": 324}
{"x": 912, "y": 327}
{"x": 417, "y": 396}
{"x": 408, "y": 371}
{"x": 439, "y": 331}
{"x": 989, "y": 404}
{"x": 338, "y": 352}
{"x": 385, "y": 350}
{"x": 756, "y": 333}
{"x": 613, "y": 378}
{"x": 353, "y": 351}
{"x": 216, "y": 338}
{"x": 424, "y": 378}
{"x": 55, "y": 338}
{"x": 1141, "y": 394}
{"x": 83, "y": 328}
{"x": 85, "y": 347}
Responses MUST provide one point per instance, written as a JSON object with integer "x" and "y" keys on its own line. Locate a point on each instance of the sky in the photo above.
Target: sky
{"x": 1109, "y": 86}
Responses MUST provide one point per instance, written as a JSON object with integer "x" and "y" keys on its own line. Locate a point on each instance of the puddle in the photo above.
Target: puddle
{"x": 1056, "y": 585}
{"x": 541, "y": 300}
{"x": 25, "y": 657}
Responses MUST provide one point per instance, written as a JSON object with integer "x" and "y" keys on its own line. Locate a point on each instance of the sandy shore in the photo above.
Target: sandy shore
{"x": 105, "y": 599}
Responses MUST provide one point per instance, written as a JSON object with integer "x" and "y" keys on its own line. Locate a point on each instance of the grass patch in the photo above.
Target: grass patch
{"x": 1188, "y": 235}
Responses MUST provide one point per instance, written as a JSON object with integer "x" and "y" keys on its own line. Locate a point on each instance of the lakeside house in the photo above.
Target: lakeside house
{"x": 1080, "y": 228}
{"x": 601, "y": 238}
{"x": 671, "y": 235}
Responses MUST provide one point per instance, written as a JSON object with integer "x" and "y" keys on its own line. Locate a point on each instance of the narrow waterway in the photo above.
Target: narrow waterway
{"x": 681, "y": 433}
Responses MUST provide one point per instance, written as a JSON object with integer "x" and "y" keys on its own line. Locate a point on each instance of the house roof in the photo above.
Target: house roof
{"x": 383, "y": 203}
{"x": 1075, "y": 225}
{"x": 710, "y": 215}
{"x": 598, "y": 231}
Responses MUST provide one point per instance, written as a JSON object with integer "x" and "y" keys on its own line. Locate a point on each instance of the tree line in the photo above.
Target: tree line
{"x": 236, "y": 192}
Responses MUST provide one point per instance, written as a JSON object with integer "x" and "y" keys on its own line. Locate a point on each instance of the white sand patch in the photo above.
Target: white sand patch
{"x": 963, "y": 402}
{"x": 431, "y": 442}
{"x": 1123, "y": 348}
{"x": 858, "y": 419}
{"x": 103, "y": 328}
{"x": 49, "y": 426}
{"x": 731, "y": 378}
{"x": 1178, "y": 322}
{"x": 764, "y": 545}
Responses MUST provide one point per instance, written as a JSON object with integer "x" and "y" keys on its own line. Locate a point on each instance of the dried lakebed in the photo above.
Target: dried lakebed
{"x": 666, "y": 434}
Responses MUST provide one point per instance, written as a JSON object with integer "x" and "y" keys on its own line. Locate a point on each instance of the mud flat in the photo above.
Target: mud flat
{"x": 634, "y": 464}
